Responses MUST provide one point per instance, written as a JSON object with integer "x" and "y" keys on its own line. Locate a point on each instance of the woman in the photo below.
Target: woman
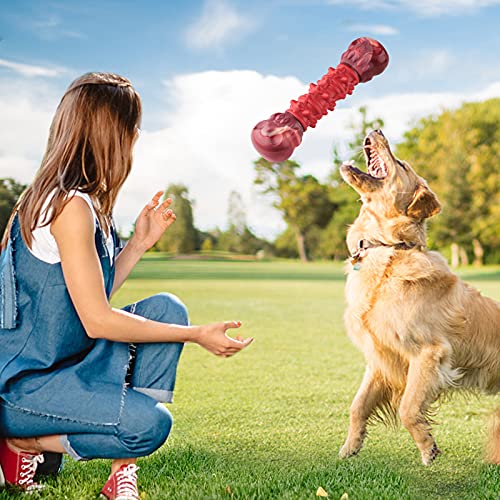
{"x": 78, "y": 376}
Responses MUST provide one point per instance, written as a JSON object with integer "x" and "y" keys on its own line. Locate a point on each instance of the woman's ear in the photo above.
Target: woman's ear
{"x": 424, "y": 204}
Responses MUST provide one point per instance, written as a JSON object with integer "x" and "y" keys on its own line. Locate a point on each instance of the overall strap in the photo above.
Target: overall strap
{"x": 8, "y": 281}
{"x": 118, "y": 243}
{"x": 107, "y": 264}
{"x": 100, "y": 242}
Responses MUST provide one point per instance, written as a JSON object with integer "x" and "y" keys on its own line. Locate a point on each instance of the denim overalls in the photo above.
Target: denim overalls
{"x": 101, "y": 396}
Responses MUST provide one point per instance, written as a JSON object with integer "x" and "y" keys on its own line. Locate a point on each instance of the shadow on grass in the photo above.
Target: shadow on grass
{"x": 237, "y": 276}
{"x": 233, "y": 271}
{"x": 156, "y": 267}
{"x": 480, "y": 276}
{"x": 172, "y": 270}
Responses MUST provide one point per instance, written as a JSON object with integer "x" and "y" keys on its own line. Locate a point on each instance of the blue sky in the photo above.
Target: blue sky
{"x": 208, "y": 70}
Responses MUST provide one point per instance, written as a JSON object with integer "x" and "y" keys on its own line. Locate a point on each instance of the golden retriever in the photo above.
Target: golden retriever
{"x": 422, "y": 330}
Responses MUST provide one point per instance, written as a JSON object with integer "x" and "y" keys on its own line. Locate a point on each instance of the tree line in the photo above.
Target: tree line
{"x": 184, "y": 237}
{"x": 457, "y": 152}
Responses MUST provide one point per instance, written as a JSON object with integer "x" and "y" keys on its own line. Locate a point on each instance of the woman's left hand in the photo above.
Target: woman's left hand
{"x": 152, "y": 222}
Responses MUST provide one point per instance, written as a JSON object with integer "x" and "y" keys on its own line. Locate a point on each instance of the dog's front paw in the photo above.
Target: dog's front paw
{"x": 428, "y": 456}
{"x": 349, "y": 449}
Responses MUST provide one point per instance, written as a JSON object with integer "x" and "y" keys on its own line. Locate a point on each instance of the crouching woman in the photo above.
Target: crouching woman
{"x": 77, "y": 375}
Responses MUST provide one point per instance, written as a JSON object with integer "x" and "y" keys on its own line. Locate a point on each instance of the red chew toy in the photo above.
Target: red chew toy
{"x": 277, "y": 137}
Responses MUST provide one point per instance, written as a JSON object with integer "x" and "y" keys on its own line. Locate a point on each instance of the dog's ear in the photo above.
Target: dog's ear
{"x": 424, "y": 204}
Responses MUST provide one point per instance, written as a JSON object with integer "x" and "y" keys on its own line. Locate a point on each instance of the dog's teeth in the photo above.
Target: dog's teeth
{"x": 376, "y": 166}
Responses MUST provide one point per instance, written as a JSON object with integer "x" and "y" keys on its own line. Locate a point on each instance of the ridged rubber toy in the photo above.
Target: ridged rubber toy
{"x": 277, "y": 137}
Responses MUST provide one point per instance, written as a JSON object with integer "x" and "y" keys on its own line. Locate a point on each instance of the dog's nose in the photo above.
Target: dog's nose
{"x": 380, "y": 132}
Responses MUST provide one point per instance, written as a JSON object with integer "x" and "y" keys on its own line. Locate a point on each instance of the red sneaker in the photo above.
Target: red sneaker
{"x": 122, "y": 485}
{"x": 19, "y": 467}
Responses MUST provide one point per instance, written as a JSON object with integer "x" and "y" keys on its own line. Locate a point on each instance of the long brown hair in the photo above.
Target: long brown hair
{"x": 89, "y": 149}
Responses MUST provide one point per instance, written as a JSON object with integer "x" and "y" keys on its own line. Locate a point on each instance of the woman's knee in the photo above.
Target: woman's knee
{"x": 174, "y": 310}
{"x": 146, "y": 434}
{"x": 164, "y": 307}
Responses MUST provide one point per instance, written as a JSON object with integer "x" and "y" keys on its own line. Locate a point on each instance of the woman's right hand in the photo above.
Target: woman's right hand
{"x": 214, "y": 339}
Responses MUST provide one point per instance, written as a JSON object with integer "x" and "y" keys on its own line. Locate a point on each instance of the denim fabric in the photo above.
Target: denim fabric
{"x": 49, "y": 353}
{"x": 8, "y": 296}
{"x": 144, "y": 426}
{"x": 51, "y": 370}
{"x": 155, "y": 365}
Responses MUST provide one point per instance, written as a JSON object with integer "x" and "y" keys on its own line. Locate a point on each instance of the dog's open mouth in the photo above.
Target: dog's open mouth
{"x": 376, "y": 166}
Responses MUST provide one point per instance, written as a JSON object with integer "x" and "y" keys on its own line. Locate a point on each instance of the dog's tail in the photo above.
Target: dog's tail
{"x": 494, "y": 441}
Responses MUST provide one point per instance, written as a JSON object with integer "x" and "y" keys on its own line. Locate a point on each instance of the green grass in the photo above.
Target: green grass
{"x": 268, "y": 422}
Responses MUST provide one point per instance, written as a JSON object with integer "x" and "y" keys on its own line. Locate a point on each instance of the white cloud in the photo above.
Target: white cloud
{"x": 218, "y": 23}
{"x": 208, "y": 146}
{"x": 207, "y": 142}
{"x": 27, "y": 110}
{"x": 490, "y": 91}
{"x": 374, "y": 29}
{"x": 33, "y": 70}
{"x": 425, "y": 8}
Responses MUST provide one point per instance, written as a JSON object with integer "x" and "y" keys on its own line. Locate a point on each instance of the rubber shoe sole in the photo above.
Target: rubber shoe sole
{"x": 2, "y": 478}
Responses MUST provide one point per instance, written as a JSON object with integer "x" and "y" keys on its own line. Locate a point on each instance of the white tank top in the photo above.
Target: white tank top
{"x": 44, "y": 245}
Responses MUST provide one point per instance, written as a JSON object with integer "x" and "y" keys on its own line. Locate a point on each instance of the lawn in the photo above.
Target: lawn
{"x": 268, "y": 422}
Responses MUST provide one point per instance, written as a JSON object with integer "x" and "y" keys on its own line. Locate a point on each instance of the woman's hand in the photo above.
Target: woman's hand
{"x": 152, "y": 222}
{"x": 213, "y": 338}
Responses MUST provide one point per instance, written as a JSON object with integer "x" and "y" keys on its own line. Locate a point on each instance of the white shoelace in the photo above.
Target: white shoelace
{"x": 28, "y": 470}
{"x": 126, "y": 483}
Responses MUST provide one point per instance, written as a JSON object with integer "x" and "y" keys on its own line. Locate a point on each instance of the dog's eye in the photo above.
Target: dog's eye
{"x": 402, "y": 164}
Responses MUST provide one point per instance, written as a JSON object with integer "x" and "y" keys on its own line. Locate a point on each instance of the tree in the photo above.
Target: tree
{"x": 10, "y": 190}
{"x": 332, "y": 239}
{"x": 182, "y": 236}
{"x": 302, "y": 199}
{"x": 230, "y": 240}
{"x": 457, "y": 152}
{"x": 207, "y": 245}
{"x": 236, "y": 213}
{"x": 286, "y": 245}
{"x": 238, "y": 237}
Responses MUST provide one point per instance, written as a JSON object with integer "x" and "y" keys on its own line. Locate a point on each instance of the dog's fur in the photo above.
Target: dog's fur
{"x": 422, "y": 330}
